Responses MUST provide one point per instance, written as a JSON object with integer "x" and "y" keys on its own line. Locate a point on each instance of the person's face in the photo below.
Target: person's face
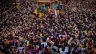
{"x": 13, "y": 49}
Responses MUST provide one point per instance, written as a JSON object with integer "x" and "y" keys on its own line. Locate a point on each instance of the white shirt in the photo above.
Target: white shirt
{"x": 63, "y": 52}
{"x": 40, "y": 52}
{"x": 44, "y": 44}
{"x": 66, "y": 49}
{"x": 20, "y": 49}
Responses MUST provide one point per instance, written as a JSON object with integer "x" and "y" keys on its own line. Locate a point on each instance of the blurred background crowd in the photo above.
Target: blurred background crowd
{"x": 29, "y": 27}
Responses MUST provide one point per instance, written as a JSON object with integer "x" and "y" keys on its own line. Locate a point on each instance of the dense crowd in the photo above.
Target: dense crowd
{"x": 72, "y": 31}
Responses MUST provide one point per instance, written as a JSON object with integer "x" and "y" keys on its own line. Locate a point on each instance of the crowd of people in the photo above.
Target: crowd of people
{"x": 72, "y": 31}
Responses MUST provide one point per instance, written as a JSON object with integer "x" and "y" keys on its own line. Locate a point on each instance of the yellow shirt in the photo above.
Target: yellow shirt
{"x": 20, "y": 38}
{"x": 85, "y": 31}
{"x": 18, "y": 4}
{"x": 27, "y": 43}
{"x": 58, "y": 11}
{"x": 40, "y": 15}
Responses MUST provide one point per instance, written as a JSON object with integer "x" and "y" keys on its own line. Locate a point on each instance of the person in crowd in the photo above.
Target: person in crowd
{"x": 71, "y": 31}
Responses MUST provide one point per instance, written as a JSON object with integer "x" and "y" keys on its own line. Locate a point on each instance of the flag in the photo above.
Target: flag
{"x": 35, "y": 11}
